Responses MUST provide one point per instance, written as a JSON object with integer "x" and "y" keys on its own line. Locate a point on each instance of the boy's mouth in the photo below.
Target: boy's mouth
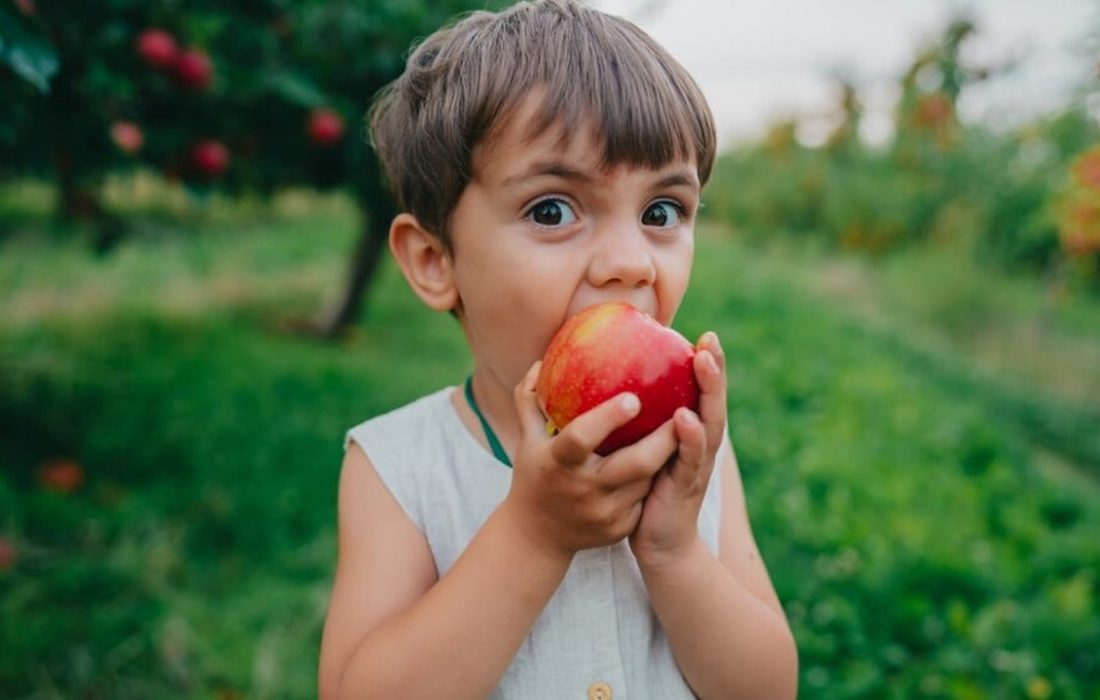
{"x": 647, "y": 305}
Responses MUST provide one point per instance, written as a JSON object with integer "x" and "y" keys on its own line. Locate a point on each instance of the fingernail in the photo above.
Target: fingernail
{"x": 688, "y": 416}
{"x": 630, "y": 403}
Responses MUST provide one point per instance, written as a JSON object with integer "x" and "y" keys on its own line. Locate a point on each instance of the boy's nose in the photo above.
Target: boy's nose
{"x": 622, "y": 256}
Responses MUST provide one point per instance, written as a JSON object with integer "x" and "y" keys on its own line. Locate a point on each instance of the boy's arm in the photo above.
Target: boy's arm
{"x": 724, "y": 621}
{"x": 393, "y": 631}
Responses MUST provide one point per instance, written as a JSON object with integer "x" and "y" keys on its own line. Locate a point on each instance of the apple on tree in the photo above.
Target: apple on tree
{"x": 611, "y": 348}
{"x": 61, "y": 475}
{"x": 324, "y": 127}
{"x": 8, "y": 554}
{"x": 127, "y": 136}
{"x": 193, "y": 69}
{"x": 157, "y": 48}
{"x": 210, "y": 158}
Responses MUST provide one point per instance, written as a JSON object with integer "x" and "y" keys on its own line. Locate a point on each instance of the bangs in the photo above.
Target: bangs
{"x": 593, "y": 70}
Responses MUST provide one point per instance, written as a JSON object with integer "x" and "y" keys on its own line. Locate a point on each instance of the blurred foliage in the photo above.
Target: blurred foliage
{"x": 1026, "y": 199}
{"x": 270, "y": 64}
{"x": 243, "y": 98}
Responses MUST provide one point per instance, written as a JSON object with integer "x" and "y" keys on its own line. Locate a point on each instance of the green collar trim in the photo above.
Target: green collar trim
{"x": 494, "y": 443}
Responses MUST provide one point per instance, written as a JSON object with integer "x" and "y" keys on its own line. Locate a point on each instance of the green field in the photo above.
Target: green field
{"x": 924, "y": 484}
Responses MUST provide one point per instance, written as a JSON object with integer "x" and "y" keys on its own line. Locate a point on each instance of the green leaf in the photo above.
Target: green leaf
{"x": 296, "y": 89}
{"x": 31, "y": 57}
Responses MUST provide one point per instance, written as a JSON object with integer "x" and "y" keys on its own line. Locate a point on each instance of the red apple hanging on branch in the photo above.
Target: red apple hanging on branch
{"x": 157, "y": 48}
{"x": 61, "y": 475}
{"x": 606, "y": 350}
{"x": 209, "y": 158}
{"x": 324, "y": 127}
{"x": 193, "y": 70}
{"x": 127, "y": 136}
{"x": 8, "y": 554}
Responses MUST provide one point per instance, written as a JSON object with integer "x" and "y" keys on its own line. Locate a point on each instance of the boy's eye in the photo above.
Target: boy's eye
{"x": 552, "y": 212}
{"x": 661, "y": 215}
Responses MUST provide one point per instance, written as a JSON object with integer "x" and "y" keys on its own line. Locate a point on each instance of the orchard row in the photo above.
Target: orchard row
{"x": 193, "y": 70}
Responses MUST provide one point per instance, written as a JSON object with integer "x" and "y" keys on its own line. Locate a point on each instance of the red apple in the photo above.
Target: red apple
{"x": 210, "y": 158}
{"x": 127, "y": 136}
{"x": 611, "y": 348}
{"x": 193, "y": 69}
{"x": 61, "y": 475}
{"x": 325, "y": 127}
{"x": 8, "y": 554}
{"x": 157, "y": 48}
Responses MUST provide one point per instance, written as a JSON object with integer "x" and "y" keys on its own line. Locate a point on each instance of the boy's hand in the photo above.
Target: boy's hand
{"x": 669, "y": 523}
{"x": 564, "y": 496}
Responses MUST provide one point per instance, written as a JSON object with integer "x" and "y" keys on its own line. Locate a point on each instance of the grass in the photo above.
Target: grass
{"x": 1029, "y": 348}
{"x": 926, "y": 540}
{"x": 1035, "y": 333}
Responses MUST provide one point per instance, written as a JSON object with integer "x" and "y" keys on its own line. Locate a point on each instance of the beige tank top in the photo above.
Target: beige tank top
{"x": 598, "y": 638}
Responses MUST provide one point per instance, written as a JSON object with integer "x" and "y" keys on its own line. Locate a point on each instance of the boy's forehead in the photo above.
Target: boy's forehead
{"x": 517, "y": 140}
{"x": 517, "y": 144}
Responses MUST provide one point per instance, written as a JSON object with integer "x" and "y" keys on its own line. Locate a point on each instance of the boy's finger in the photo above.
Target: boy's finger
{"x": 643, "y": 459}
{"x": 583, "y": 435}
{"x": 709, "y": 341}
{"x": 531, "y": 420}
{"x": 712, "y": 394}
{"x": 691, "y": 456}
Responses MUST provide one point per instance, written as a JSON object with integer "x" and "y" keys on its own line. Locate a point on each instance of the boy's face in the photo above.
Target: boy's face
{"x": 542, "y": 232}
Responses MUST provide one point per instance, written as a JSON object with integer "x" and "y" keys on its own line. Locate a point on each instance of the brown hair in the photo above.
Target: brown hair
{"x": 465, "y": 78}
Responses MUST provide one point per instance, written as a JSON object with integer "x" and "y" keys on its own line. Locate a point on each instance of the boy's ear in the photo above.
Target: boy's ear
{"x": 424, "y": 261}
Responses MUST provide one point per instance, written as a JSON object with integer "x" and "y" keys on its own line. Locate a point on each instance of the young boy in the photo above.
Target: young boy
{"x": 545, "y": 159}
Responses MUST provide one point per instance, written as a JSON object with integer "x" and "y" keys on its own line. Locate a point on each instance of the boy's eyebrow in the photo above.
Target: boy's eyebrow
{"x": 554, "y": 168}
{"x": 684, "y": 178}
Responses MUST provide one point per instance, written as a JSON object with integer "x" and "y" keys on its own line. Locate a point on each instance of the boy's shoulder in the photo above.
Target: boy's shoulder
{"x": 423, "y": 455}
{"x": 409, "y": 419}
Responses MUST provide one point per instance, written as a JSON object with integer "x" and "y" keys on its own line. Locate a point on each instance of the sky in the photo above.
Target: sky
{"x": 762, "y": 60}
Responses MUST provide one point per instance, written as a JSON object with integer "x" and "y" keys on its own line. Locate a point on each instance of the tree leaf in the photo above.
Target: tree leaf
{"x": 296, "y": 88}
{"x": 31, "y": 57}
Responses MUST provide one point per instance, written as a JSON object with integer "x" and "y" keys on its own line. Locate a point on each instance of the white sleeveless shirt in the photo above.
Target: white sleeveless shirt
{"x": 597, "y": 638}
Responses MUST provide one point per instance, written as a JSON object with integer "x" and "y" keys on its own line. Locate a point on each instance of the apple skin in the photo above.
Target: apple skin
{"x": 127, "y": 136}
{"x": 611, "y": 348}
{"x": 324, "y": 127}
{"x": 193, "y": 70}
{"x": 210, "y": 158}
{"x": 8, "y": 554}
{"x": 61, "y": 475}
{"x": 157, "y": 48}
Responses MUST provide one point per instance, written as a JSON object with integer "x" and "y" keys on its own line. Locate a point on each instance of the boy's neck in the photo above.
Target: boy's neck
{"x": 498, "y": 408}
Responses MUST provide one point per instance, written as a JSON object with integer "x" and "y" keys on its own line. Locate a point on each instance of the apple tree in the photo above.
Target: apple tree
{"x": 241, "y": 97}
